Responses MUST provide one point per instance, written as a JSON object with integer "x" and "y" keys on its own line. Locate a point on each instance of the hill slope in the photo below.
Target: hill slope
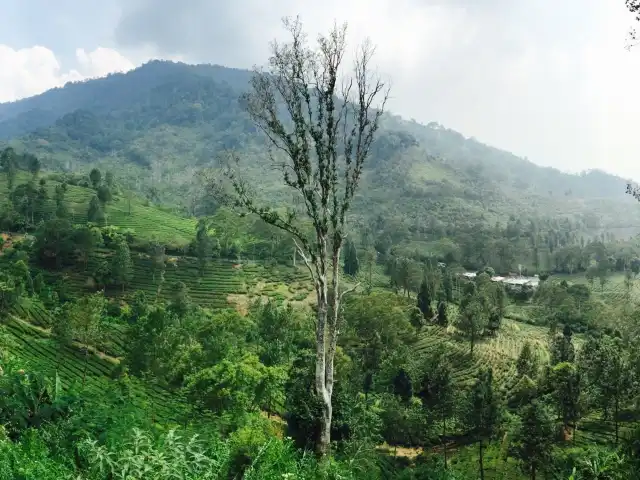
{"x": 156, "y": 126}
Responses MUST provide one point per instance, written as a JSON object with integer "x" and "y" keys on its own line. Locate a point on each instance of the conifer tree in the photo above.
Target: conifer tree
{"x": 482, "y": 414}
{"x": 565, "y": 382}
{"x": 96, "y": 177}
{"x": 158, "y": 258}
{"x": 95, "y": 213}
{"x": 443, "y": 319}
{"x": 562, "y": 349}
{"x": 424, "y": 300}
{"x": 33, "y": 164}
{"x": 526, "y": 363}
{"x": 534, "y": 440}
{"x": 402, "y": 386}
{"x": 61, "y": 208}
{"x": 203, "y": 246}
{"x": 85, "y": 324}
{"x": 438, "y": 394}
{"x": 9, "y": 165}
{"x": 180, "y": 300}
{"x": 447, "y": 285}
{"x": 104, "y": 194}
{"x": 121, "y": 265}
{"x": 351, "y": 262}
{"x": 472, "y": 319}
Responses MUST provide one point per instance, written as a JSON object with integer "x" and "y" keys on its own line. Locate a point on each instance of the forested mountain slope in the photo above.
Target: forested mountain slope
{"x": 161, "y": 123}
{"x": 136, "y": 340}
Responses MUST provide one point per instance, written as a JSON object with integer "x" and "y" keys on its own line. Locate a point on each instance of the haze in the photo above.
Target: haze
{"x": 548, "y": 80}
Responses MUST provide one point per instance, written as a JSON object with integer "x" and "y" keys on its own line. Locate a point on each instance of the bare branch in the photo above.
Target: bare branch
{"x": 633, "y": 190}
{"x": 348, "y": 291}
{"x": 358, "y": 140}
{"x": 245, "y": 199}
{"x": 306, "y": 260}
{"x": 634, "y": 7}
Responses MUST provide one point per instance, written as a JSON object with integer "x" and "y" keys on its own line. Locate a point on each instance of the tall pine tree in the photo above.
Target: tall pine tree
{"x": 351, "y": 262}
{"x": 447, "y": 285}
{"x": 482, "y": 413}
{"x": 438, "y": 394}
{"x": 203, "y": 246}
{"x": 402, "y": 386}
{"x": 443, "y": 319}
{"x": 527, "y": 362}
{"x": 121, "y": 265}
{"x": 534, "y": 440}
{"x": 95, "y": 213}
{"x": 424, "y": 300}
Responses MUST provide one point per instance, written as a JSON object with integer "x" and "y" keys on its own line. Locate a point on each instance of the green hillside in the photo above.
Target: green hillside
{"x": 147, "y": 328}
{"x": 165, "y": 121}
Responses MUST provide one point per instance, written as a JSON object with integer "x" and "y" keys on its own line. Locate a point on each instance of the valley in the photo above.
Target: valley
{"x": 480, "y": 311}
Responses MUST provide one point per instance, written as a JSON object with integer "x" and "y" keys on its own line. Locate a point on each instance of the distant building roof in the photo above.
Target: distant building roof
{"x": 533, "y": 281}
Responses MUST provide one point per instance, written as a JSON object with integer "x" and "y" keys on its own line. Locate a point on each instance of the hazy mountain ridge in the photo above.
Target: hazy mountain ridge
{"x": 171, "y": 118}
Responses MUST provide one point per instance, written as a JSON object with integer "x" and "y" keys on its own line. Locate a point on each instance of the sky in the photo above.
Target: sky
{"x": 546, "y": 79}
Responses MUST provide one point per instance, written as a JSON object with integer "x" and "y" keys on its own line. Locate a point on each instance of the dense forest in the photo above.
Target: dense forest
{"x": 152, "y": 328}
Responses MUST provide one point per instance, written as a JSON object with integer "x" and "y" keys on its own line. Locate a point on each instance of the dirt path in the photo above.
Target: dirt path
{"x": 7, "y": 239}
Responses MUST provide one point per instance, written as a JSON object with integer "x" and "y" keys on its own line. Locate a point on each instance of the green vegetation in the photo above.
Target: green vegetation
{"x": 151, "y": 330}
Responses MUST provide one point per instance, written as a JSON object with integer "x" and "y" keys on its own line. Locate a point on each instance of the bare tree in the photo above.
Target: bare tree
{"x": 634, "y": 7}
{"x": 319, "y": 126}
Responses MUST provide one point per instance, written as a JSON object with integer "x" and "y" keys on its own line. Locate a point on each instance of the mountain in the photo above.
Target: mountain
{"x": 157, "y": 125}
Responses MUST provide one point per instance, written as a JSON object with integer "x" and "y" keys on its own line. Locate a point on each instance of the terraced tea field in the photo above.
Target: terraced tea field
{"x": 500, "y": 351}
{"x": 145, "y": 220}
{"x": 224, "y": 283}
{"x": 38, "y": 351}
{"x": 614, "y": 290}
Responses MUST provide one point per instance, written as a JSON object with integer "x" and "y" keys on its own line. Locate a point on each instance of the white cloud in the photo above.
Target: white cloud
{"x": 30, "y": 71}
{"x": 101, "y": 62}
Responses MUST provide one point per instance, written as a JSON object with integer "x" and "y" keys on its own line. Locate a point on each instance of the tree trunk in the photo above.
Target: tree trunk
{"x": 58, "y": 358}
{"x": 86, "y": 363}
{"x": 444, "y": 440}
{"x": 480, "y": 460}
{"x": 324, "y": 442}
{"x": 325, "y": 356}
{"x": 615, "y": 417}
